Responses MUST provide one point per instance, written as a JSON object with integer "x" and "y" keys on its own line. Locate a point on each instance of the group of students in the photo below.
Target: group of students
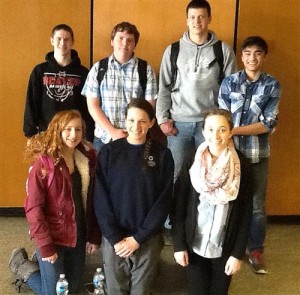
{"x": 210, "y": 178}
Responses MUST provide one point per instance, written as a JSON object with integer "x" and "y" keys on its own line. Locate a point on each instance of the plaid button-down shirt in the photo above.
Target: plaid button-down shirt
{"x": 251, "y": 102}
{"x": 120, "y": 84}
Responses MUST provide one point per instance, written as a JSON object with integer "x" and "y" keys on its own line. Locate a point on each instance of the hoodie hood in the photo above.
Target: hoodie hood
{"x": 212, "y": 39}
{"x": 74, "y": 56}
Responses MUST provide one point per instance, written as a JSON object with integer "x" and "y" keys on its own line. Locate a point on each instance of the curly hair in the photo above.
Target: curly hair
{"x": 49, "y": 143}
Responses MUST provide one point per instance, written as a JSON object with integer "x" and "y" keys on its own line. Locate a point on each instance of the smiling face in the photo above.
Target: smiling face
{"x": 72, "y": 133}
{"x": 253, "y": 59}
{"x": 62, "y": 43}
{"x": 216, "y": 133}
{"x": 123, "y": 44}
{"x": 137, "y": 125}
{"x": 198, "y": 21}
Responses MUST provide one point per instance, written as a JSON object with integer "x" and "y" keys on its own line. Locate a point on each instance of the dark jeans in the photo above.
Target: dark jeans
{"x": 207, "y": 276}
{"x": 259, "y": 175}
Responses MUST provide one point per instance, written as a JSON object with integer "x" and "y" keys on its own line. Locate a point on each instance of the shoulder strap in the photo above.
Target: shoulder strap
{"x": 173, "y": 60}
{"x": 49, "y": 165}
{"x": 103, "y": 64}
{"x": 218, "y": 51}
{"x": 142, "y": 70}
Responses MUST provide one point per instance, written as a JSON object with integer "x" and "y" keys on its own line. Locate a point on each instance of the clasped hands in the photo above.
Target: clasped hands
{"x": 126, "y": 247}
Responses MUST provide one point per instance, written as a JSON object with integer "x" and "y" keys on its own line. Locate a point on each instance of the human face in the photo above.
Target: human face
{"x": 72, "y": 133}
{"x": 253, "y": 59}
{"x": 198, "y": 21}
{"x": 137, "y": 125}
{"x": 216, "y": 133}
{"x": 123, "y": 45}
{"x": 62, "y": 42}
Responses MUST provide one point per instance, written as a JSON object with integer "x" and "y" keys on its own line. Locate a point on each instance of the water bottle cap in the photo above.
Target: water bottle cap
{"x": 99, "y": 269}
{"x": 62, "y": 275}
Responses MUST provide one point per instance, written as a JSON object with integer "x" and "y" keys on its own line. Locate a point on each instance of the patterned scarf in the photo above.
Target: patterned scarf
{"x": 217, "y": 182}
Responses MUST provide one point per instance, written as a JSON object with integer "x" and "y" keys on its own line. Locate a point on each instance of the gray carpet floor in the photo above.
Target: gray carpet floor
{"x": 282, "y": 255}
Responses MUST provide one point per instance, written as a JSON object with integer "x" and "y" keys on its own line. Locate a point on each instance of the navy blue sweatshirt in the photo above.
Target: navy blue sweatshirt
{"x": 131, "y": 198}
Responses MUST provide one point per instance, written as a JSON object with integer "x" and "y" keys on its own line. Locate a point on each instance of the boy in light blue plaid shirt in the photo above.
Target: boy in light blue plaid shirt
{"x": 108, "y": 100}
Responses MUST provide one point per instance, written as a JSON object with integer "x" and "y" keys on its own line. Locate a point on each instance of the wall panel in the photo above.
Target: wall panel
{"x": 159, "y": 22}
{"x": 25, "y": 28}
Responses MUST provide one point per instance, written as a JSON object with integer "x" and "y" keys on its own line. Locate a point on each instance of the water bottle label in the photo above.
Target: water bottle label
{"x": 96, "y": 282}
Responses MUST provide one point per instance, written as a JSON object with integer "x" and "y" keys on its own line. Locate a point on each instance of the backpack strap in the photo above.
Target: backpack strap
{"x": 220, "y": 59}
{"x": 218, "y": 51}
{"x": 173, "y": 60}
{"x": 142, "y": 70}
{"x": 103, "y": 65}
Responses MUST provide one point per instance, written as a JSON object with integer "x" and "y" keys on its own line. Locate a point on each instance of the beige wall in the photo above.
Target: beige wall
{"x": 24, "y": 37}
{"x": 159, "y": 22}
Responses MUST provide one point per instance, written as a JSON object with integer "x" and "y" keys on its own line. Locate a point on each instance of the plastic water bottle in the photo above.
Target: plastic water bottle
{"x": 62, "y": 285}
{"x": 98, "y": 281}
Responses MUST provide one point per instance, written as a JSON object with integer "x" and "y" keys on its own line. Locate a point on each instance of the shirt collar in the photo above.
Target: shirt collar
{"x": 113, "y": 61}
{"x": 262, "y": 77}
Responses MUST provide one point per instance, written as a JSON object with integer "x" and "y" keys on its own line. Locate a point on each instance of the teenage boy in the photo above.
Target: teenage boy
{"x": 55, "y": 85}
{"x": 107, "y": 99}
{"x": 184, "y": 98}
{"x": 187, "y": 93}
{"x": 253, "y": 98}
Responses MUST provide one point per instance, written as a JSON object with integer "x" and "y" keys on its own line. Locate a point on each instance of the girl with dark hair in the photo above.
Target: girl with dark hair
{"x": 58, "y": 206}
{"x": 132, "y": 196}
{"x": 212, "y": 210}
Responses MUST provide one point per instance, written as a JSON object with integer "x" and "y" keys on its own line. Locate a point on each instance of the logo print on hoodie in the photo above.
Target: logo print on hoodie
{"x": 60, "y": 85}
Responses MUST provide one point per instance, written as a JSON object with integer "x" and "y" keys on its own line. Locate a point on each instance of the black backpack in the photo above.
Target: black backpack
{"x": 217, "y": 51}
{"x": 142, "y": 71}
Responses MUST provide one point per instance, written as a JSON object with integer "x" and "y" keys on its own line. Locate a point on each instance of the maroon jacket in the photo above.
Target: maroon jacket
{"x": 50, "y": 211}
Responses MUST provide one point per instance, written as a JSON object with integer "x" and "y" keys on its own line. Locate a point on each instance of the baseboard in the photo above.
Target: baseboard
{"x": 12, "y": 212}
{"x": 289, "y": 219}
{"x": 19, "y": 212}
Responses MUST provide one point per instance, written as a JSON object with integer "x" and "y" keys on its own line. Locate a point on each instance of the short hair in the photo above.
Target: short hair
{"x": 141, "y": 104}
{"x": 255, "y": 41}
{"x": 126, "y": 27}
{"x": 63, "y": 27}
{"x": 219, "y": 112}
{"x": 199, "y": 4}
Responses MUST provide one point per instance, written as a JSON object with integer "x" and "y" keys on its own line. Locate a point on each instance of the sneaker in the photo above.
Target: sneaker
{"x": 257, "y": 262}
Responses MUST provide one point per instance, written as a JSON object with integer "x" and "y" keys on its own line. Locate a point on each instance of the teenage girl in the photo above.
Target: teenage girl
{"x": 133, "y": 188}
{"x": 58, "y": 205}
{"x": 212, "y": 210}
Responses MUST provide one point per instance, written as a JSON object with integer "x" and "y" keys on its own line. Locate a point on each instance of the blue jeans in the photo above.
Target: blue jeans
{"x": 185, "y": 143}
{"x": 183, "y": 147}
{"x": 259, "y": 175}
{"x": 70, "y": 261}
{"x": 98, "y": 144}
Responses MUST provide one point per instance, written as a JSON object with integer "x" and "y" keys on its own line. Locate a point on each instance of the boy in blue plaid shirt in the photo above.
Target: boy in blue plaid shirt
{"x": 253, "y": 96}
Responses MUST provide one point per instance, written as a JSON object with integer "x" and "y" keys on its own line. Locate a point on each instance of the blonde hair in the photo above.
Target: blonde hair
{"x": 49, "y": 142}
